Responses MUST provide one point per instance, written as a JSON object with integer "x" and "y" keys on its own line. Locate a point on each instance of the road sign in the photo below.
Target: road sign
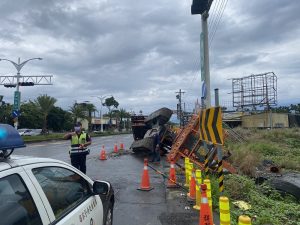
{"x": 15, "y": 113}
{"x": 202, "y": 56}
{"x": 204, "y": 90}
{"x": 211, "y": 125}
{"x": 17, "y": 98}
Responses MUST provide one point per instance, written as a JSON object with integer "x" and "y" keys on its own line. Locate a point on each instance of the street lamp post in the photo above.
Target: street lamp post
{"x": 17, "y": 96}
{"x": 102, "y": 98}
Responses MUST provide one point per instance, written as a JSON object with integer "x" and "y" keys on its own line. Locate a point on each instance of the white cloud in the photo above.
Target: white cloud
{"x": 142, "y": 52}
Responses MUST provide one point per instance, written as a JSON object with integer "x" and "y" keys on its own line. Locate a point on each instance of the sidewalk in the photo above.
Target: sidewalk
{"x": 179, "y": 210}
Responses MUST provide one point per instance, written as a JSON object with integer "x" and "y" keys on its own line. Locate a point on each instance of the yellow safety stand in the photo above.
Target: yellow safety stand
{"x": 224, "y": 211}
{"x": 186, "y": 166}
{"x": 208, "y": 192}
{"x": 198, "y": 192}
{"x": 244, "y": 220}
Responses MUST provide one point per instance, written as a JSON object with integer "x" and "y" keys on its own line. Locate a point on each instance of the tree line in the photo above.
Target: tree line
{"x": 43, "y": 113}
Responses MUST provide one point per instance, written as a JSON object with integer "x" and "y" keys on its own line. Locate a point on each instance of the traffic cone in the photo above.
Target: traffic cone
{"x": 192, "y": 194}
{"x": 121, "y": 146}
{"x": 205, "y": 212}
{"x": 172, "y": 176}
{"x": 103, "y": 154}
{"x": 145, "y": 184}
{"x": 115, "y": 148}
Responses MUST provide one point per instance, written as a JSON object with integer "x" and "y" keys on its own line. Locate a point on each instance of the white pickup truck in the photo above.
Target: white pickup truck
{"x": 36, "y": 191}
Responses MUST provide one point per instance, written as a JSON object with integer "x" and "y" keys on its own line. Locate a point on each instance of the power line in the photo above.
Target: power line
{"x": 218, "y": 13}
{"x": 217, "y": 25}
{"x": 215, "y": 16}
{"x": 218, "y": 22}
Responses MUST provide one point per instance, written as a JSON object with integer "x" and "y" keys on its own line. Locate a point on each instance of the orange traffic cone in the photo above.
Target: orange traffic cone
{"x": 103, "y": 154}
{"x": 121, "y": 146}
{"x": 145, "y": 184}
{"x": 115, "y": 148}
{"x": 172, "y": 176}
{"x": 192, "y": 194}
{"x": 205, "y": 216}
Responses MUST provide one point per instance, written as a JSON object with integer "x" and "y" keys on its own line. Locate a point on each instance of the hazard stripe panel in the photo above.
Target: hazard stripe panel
{"x": 211, "y": 125}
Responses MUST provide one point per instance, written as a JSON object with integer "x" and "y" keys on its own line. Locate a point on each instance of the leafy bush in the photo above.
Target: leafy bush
{"x": 267, "y": 205}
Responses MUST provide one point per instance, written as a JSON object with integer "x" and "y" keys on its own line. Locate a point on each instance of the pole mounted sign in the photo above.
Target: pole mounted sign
{"x": 211, "y": 125}
{"x": 17, "y": 98}
{"x": 202, "y": 56}
{"x": 15, "y": 114}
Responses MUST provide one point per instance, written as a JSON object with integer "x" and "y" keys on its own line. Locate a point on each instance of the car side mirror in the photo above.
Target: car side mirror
{"x": 101, "y": 187}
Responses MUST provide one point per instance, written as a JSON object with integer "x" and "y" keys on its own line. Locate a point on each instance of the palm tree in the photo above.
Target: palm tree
{"x": 122, "y": 114}
{"x": 90, "y": 108}
{"x": 78, "y": 112}
{"x": 45, "y": 103}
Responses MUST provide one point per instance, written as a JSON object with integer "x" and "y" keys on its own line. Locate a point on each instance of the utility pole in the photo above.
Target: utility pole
{"x": 102, "y": 100}
{"x": 18, "y": 80}
{"x": 180, "y": 114}
{"x": 202, "y": 7}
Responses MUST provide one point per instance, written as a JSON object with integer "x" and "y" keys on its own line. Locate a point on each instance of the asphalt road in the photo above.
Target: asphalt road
{"x": 160, "y": 206}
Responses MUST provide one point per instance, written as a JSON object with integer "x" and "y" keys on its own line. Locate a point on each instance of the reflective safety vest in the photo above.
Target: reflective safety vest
{"x": 76, "y": 141}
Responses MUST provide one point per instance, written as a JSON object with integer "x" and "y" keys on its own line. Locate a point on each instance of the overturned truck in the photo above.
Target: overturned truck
{"x": 144, "y": 128}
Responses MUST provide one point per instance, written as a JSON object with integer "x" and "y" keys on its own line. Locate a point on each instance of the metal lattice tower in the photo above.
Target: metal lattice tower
{"x": 255, "y": 90}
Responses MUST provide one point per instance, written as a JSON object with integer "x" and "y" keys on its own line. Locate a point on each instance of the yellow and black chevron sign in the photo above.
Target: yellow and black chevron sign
{"x": 211, "y": 125}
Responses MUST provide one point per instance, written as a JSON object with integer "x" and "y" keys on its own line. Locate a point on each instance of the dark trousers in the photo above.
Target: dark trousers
{"x": 79, "y": 162}
{"x": 156, "y": 155}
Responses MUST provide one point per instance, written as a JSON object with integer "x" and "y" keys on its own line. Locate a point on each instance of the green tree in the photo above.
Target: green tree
{"x": 5, "y": 113}
{"x": 31, "y": 116}
{"x": 281, "y": 109}
{"x": 90, "y": 109}
{"x": 59, "y": 119}
{"x": 45, "y": 103}
{"x": 122, "y": 114}
{"x": 110, "y": 104}
{"x": 78, "y": 111}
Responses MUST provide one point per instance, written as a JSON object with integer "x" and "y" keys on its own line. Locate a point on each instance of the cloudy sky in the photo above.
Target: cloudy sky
{"x": 142, "y": 51}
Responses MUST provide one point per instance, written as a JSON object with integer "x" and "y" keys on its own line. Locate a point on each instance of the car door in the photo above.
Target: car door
{"x": 68, "y": 194}
{"x": 20, "y": 204}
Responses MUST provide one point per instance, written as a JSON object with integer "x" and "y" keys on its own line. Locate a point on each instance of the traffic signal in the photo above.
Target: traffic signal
{"x": 26, "y": 84}
{"x": 10, "y": 85}
{"x": 200, "y": 6}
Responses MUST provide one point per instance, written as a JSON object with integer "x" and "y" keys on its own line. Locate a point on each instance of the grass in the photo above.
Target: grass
{"x": 269, "y": 207}
{"x": 282, "y": 146}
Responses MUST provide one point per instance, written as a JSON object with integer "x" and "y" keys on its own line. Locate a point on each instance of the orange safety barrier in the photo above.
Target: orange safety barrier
{"x": 187, "y": 144}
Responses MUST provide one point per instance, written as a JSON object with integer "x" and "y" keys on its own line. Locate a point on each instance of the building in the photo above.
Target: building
{"x": 266, "y": 120}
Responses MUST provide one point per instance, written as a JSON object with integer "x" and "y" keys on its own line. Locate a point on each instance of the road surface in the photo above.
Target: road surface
{"x": 132, "y": 207}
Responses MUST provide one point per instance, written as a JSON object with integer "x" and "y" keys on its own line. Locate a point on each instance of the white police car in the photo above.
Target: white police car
{"x": 37, "y": 191}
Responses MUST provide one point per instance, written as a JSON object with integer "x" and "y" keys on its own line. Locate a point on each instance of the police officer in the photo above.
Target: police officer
{"x": 79, "y": 142}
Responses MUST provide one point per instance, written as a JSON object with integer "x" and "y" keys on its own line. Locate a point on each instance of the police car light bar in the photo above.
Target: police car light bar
{"x": 10, "y": 138}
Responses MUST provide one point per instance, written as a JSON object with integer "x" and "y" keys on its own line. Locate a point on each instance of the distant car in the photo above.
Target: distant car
{"x": 29, "y": 132}
{"x": 36, "y": 191}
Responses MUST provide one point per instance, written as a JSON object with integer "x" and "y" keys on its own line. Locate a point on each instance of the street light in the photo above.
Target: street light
{"x": 102, "y": 98}
{"x": 17, "y": 96}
